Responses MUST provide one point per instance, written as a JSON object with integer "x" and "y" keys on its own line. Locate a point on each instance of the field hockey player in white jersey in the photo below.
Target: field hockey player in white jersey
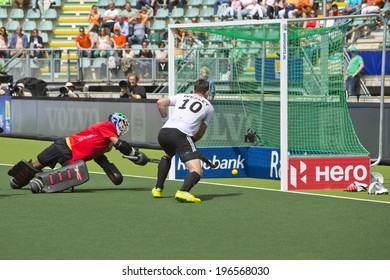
{"x": 186, "y": 125}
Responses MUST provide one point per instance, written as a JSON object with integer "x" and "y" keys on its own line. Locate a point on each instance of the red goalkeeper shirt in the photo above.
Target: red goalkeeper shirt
{"x": 92, "y": 141}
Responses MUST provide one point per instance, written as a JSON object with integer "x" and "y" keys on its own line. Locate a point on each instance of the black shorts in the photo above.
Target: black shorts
{"x": 58, "y": 152}
{"x": 174, "y": 141}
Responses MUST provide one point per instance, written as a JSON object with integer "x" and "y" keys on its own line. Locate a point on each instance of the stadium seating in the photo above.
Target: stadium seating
{"x": 12, "y": 25}
{"x": 45, "y": 25}
{"x": 3, "y": 13}
{"x": 158, "y": 25}
{"x": 208, "y": 3}
{"x": 17, "y": 14}
{"x": 120, "y": 3}
{"x": 207, "y": 13}
{"x": 221, "y": 10}
{"x": 177, "y": 13}
{"x": 45, "y": 37}
{"x": 29, "y": 26}
{"x": 192, "y": 12}
{"x": 194, "y": 3}
{"x": 155, "y": 37}
{"x": 59, "y": 24}
{"x": 136, "y": 49}
{"x": 161, "y": 14}
{"x": 33, "y": 14}
{"x": 50, "y": 14}
{"x": 102, "y": 3}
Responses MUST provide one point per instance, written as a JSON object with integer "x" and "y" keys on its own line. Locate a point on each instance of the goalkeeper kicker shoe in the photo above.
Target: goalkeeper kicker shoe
{"x": 157, "y": 192}
{"x": 186, "y": 197}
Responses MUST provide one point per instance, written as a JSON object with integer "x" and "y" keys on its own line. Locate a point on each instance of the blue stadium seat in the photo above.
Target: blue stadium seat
{"x": 12, "y": 25}
{"x": 194, "y": 3}
{"x": 155, "y": 37}
{"x": 3, "y": 13}
{"x": 50, "y": 14}
{"x": 177, "y": 13}
{"x": 221, "y": 10}
{"x": 31, "y": 14}
{"x": 45, "y": 25}
{"x": 158, "y": 25}
{"x": 207, "y": 13}
{"x": 120, "y": 3}
{"x": 161, "y": 14}
{"x": 45, "y": 37}
{"x": 29, "y": 26}
{"x": 17, "y": 14}
{"x": 136, "y": 48}
{"x": 208, "y": 3}
{"x": 102, "y": 3}
{"x": 192, "y": 12}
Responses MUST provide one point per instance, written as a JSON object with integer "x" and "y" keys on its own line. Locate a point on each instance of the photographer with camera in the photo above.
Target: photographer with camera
{"x": 19, "y": 90}
{"x": 68, "y": 91}
{"x": 131, "y": 89}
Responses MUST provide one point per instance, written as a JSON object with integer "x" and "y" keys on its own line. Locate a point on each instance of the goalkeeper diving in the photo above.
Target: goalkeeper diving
{"x": 72, "y": 152}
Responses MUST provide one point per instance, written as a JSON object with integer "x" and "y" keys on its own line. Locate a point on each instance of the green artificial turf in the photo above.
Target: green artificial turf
{"x": 103, "y": 221}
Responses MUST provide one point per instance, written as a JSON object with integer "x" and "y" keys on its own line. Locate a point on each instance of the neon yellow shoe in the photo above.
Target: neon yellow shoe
{"x": 186, "y": 197}
{"x": 157, "y": 192}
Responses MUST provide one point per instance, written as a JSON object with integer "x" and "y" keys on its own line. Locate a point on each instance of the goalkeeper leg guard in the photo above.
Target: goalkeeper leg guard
{"x": 60, "y": 179}
{"x": 22, "y": 173}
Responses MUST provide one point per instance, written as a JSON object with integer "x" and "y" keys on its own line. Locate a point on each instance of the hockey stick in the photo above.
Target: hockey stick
{"x": 153, "y": 160}
{"x": 208, "y": 162}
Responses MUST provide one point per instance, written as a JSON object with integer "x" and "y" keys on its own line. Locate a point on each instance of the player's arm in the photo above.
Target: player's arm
{"x": 162, "y": 105}
{"x": 201, "y": 131}
{"x": 123, "y": 147}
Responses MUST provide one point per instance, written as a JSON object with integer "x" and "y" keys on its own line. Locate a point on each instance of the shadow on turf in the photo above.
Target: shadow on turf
{"x": 110, "y": 189}
{"x": 212, "y": 196}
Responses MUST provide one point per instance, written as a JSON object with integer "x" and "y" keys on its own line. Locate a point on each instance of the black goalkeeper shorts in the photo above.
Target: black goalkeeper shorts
{"x": 58, "y": 152}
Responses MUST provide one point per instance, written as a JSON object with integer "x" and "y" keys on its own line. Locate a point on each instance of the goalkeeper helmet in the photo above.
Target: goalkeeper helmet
{"x": 121, "y": 123}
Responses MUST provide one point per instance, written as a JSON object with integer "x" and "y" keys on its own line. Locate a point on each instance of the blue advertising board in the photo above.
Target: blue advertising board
{"x": 253, "y": 162}
{"x": 5, "y": 114}
{"x": 271, "y": 70}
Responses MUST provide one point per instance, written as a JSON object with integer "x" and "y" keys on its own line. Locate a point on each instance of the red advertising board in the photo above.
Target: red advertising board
{"x": 327, "y": 172}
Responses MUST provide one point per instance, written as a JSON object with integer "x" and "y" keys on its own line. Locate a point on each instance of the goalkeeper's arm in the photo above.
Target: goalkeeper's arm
{"x": 126, "y": 149}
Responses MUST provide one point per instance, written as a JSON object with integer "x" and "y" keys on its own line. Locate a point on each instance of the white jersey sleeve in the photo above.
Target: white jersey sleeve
{"x": 189, "y": 112}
